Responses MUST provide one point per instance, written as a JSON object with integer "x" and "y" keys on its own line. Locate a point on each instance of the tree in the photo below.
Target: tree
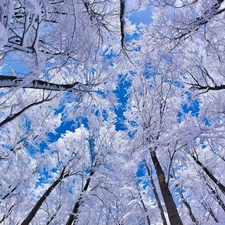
{"x": 150, "y": 103}
{"x": 104, "y": 121}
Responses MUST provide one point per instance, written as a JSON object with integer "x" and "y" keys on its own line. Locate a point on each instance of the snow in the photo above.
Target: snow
{"x": 3, "y": 36}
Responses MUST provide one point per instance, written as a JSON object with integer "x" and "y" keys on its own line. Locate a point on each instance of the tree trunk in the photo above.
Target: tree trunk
{"x": 194, "y": 220}
{"x": 156, "y": 196}
{"x": 39, "y": 203}
{"x": 143, "y": 205}
{"x": 173, "y": 215}
{"x": 217, "y": 183}
{"x": 73, "y": 217}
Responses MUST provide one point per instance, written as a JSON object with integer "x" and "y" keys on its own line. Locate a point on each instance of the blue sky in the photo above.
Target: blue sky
{"x": 141, "y": 16}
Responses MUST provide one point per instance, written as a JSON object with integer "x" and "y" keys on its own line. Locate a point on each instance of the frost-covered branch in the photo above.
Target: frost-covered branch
{"x": 12, "y": 81}
{"x": 12, "y": 116}
{"x": 207, "y": 81}
{"x": 201, "y": 20}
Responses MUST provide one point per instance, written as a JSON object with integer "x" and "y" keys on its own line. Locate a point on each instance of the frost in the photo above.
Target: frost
{"x": 3, "y": 36}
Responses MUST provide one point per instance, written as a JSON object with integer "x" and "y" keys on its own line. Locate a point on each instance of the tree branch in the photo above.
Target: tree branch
{"x": 202, "y": 20}
{"x": 13, "y": 81}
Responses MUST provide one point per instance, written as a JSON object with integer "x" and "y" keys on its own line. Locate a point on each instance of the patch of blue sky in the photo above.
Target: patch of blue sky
{"x": 142, "y": 176}
{"x": 206, "y": 122}
{"x": 141, "y": 16}
{"x": 104, "y": 114}
{"x": 141, "y": 170}
{"x": 43, "y": 178}
{"x": 203, "y": 144}
{"x": 66, "y": 126}
{"x": 108, "y": 53}
{"x": 133, "y": 36}
{"x": 192, "y": 107}
{"x": 13, "y": 67}
{"x": 150, "y": 71}
{"x": 122, "y": 98}
{"x": 131, "y": 134}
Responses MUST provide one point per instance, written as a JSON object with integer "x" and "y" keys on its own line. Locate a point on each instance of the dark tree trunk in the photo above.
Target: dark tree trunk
{"x": 217, "y": 183}
{"x": 194, "y": 220}
{"x": 173, "y": 215}
{"x": 156, "y": 195}
{"x": 122, "y": 22}
{"x": 143, "y": 205}
{"x": 73, "y": 217}
{"x": 39, "y": 203}
{"x": 33, "y": 212}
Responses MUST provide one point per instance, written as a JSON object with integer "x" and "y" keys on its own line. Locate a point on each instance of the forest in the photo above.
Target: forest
{"x": 105, "y": 120}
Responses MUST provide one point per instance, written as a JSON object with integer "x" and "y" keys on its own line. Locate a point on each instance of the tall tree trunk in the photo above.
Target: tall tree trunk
{"x": 156, "y": 195}
{"x": 39, "y": 203}
{"x": 194, "y": 220}
{"x": 174, "y": 217}
{"x": 214, "y": 193}
{"x": 122, "y": 22}
{"x": 73, "y": 217}
{"x": 217, "y": 183}
{"x": 143, "y": 204}
{"x": 33, "y": 212}
{"x": 209, "y": 209}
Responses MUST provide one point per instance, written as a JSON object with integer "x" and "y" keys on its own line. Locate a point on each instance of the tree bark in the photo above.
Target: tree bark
{"x": 44, "y": 196}
{"x": 194, "y": 220}
{"x": 122, "y": 22}
{"x": 217, "y": 183}
{"x": 73, "y": 217}
{"x": 13, "y": 116}
{"x": 143, "y": 205}
{"x": 39, "y": 203}
{"x": 173, "y": 215}
{"x": 12, "y": 81}
{"x": 156, "y": 196}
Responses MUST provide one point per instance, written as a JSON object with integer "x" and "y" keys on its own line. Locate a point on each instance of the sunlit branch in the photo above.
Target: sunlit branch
{"x": 209, "y": 209}
{"x": 7, "y": 215}
{"x": 143, "y": 204}
{"x": 214, "y": 193}
{"x": 208, "y": 83}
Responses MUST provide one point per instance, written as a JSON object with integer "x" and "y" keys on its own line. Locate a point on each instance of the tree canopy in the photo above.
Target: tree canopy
{"x": 107, "y": 121}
